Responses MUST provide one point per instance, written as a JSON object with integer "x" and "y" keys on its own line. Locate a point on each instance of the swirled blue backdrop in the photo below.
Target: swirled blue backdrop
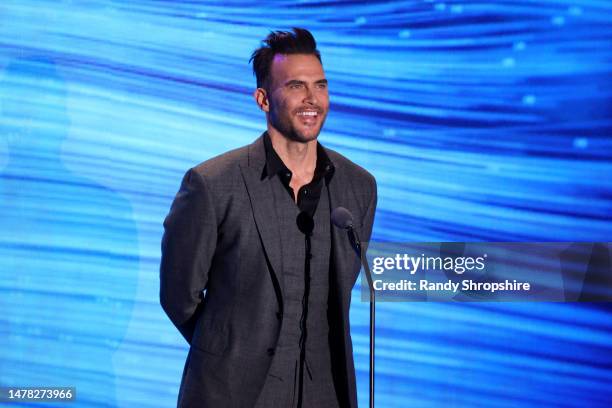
{"x": 482, "y": 121}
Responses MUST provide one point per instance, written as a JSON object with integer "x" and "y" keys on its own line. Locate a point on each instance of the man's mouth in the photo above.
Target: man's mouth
{"x": 309, "y": 117}
{"x": 308, "y": 113}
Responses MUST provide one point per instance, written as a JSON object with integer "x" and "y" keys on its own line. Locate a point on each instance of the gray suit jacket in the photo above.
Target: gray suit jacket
{"x": 221, "y": 236}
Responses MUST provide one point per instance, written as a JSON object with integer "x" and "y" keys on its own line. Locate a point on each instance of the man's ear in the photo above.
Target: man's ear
{"x": 261, "y": 98}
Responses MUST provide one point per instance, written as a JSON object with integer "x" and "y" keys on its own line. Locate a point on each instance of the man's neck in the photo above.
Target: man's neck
{"x": 299, "y": 157}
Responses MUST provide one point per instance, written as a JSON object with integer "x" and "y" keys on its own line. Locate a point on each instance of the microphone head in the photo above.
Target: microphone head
{"x": 305, "y": 223}
{"x": 342, "y": 218}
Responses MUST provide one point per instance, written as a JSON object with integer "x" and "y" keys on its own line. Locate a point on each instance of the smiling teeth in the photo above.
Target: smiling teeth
{"x": 308, "y": 113}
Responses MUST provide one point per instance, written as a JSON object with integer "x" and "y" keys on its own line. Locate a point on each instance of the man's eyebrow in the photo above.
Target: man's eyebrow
{"x": 294, "y": 82}
{"x": 299, "y": 82}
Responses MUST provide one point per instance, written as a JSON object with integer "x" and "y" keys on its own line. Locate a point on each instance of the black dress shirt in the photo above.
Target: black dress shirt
{"x": 309, "y": 194}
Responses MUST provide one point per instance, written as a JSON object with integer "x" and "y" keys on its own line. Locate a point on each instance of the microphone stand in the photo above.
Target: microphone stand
{"x": 356, "y": 244}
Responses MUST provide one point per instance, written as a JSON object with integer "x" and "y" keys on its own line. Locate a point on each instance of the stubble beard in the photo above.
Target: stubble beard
{"x": 283, "y": 124}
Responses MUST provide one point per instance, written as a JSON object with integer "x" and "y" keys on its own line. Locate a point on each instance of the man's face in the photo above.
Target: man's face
{"x": 298, "y": 101}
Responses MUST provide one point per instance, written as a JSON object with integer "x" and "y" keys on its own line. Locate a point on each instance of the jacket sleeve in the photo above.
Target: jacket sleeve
{"x": 188, "y": 245}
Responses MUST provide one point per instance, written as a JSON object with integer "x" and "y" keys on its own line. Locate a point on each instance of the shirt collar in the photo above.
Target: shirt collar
{"x": 275, "y": 165}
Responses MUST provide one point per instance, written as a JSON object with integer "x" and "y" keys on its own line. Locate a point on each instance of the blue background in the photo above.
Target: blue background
{"x": 482, "y": 121}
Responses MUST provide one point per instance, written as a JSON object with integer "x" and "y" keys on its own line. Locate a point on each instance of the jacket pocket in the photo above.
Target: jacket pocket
{"x": 210, "y": 339}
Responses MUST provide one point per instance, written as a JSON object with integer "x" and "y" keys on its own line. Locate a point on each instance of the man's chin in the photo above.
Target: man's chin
{"x": 300, "y": 134}
{"x": 306, "y": 135}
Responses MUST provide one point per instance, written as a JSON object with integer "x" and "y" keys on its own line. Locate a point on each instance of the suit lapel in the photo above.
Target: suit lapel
{"x": 260, "y": 194}
{"x": 342, "y": 252}
{"x": 337, "y": 234}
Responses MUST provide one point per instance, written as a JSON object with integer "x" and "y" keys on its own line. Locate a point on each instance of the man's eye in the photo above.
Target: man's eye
{"x": 295, "y": 86}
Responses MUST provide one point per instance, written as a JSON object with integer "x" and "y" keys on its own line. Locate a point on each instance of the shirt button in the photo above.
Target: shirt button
{"x": 288, "y": 175}
{"x": 305, "y": 191}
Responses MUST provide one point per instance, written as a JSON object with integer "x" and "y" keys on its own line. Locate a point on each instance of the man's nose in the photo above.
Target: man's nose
{"x": 310, "y": 96}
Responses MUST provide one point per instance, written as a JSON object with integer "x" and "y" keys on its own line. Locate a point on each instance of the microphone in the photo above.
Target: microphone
{"x": 343, "y": 219}
{"x": 305, "y": 223}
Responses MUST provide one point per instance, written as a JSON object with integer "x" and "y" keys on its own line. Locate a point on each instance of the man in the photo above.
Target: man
{"x": 252, "y": 229}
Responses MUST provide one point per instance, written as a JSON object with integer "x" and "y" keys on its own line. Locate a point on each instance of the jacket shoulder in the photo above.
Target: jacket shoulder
{"x": 350, "y": 168}
{"x": 222, "y": 166}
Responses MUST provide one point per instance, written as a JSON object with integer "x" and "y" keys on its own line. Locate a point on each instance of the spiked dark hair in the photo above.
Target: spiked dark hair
{"x": 300, "y": 41}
